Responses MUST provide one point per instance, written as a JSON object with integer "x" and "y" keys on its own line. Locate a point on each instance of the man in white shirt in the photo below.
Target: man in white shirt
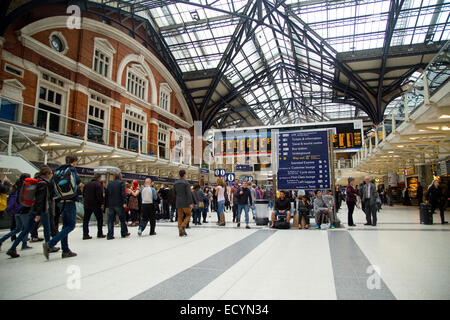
{"x": 148, "y": 212}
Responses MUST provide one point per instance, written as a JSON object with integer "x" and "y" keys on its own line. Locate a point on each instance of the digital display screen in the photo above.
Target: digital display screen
{"x": 258, "y": 142}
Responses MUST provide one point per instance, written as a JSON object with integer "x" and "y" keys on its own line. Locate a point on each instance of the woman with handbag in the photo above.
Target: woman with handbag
{"x": 133, "y": 204}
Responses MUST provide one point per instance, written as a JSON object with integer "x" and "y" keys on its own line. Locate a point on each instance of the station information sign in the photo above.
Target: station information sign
{"x": 303, "y": 160}
{"x": 347, "y": 137}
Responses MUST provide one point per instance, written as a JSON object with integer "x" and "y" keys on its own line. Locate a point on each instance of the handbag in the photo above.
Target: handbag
{"x": 133, "y": 203}
{"x": 201, "y": 205}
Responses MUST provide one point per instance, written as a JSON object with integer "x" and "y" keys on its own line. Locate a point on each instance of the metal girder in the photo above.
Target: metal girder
{"x": 394, "y": 12}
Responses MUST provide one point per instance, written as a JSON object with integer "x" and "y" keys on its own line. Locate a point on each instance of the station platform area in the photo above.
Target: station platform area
{"x": 397, "y": 259}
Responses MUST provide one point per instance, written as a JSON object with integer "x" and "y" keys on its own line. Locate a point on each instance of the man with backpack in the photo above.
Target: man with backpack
{"x": 66, "y": 184}
{"x": 116, "y": 202}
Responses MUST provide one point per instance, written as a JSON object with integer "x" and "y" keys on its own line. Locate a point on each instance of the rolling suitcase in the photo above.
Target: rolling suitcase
{"x": 426, "y": 217}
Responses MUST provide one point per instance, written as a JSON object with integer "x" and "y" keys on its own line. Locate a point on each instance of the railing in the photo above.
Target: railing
{"x": 52, "y": 122}
{"x": 14, "y": 142}
{"x": 343, "y": 164}
{"x": 435, "y": 75}
{"x": 433, "y": 78}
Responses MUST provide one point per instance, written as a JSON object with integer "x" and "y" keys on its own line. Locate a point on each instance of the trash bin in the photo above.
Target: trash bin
{"x": 262, "y": 212}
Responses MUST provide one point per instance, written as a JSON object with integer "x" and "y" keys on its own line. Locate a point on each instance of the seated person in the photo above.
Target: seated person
{"x": 303, "y": 207}
{"x": 281, "y": 209}
{"x": 321, "y": 208}
{"x": 329, "y": 199}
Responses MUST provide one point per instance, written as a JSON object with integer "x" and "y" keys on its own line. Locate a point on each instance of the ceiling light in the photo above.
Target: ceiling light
{"x": 400, "y": 146}
{"x": 433, "y": 128}
{"x": 445, "y": 128}
{"x": 445, "y": 116}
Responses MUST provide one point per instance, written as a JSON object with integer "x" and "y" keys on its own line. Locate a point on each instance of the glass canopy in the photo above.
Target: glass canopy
{"x": 279, "y": 55}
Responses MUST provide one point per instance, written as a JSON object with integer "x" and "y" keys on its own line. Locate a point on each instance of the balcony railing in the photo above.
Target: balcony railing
{"x": 51, "y": 122}
{"x": 431, "y": 80}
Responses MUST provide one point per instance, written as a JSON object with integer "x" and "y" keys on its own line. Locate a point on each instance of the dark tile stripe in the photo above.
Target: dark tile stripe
{"x": 350, "y": 270}
{"x": 187, "y": 283}
{"x": 397, "y": 229}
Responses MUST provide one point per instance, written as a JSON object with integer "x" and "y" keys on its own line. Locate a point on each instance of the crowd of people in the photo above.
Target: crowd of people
{"x": 51, "y": 196}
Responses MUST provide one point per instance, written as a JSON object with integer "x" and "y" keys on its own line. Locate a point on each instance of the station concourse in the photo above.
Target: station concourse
{"x": 278, "y": 150}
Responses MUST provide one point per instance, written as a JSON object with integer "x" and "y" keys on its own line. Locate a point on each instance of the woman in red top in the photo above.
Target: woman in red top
{"x": 351, "y": 200}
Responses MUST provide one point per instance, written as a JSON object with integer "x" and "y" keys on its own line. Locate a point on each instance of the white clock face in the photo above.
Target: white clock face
{"x": 57, "y": 43}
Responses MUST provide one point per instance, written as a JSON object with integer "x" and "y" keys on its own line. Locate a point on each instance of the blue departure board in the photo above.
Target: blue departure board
{"x": 303, "y": 160}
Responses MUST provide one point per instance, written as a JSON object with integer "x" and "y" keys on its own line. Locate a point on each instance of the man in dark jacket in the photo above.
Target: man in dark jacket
{"x": 244, "y": 198}
{"x": 116, "y": 202}
{"x": 93, "y": 203}
{"x": 172, "y": 202}
{"x": 184, "y": 202}
{"x": 164, "y": 195}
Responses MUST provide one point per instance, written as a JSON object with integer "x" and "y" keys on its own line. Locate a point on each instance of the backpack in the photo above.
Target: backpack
{"x": 13, "y": 205}
{"x": 64, "y": 183}
{"x": 27, "y": 194}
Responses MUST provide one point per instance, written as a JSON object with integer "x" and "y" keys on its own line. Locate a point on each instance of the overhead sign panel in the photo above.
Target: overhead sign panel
{"x": 346, "y": 137}
{"x": 303, "y": 160}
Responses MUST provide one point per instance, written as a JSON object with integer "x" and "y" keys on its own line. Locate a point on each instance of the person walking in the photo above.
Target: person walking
{"x": 234, "y": 199}
{"x": 369, "y": 201}
{"x": 419, "y": 194}
{"x": 253, "y": 192}
{"x": 116, "y": 202}
{"x": 437, "y": 199}
{"x": 148, "y": 211}
{"x": 245, "y": 202}
{"x": 133, "y": 203}
{"x": 68, "y": 209}
{"x": 206, "y": 199}
{"x": 164, "y": 195}
{"x": 184, "y": 202}
{"x": 220, "y": 193}
{"x": 94, "y": 200}
{"x": 197, "y": 195}
{"x": 389, "y": 196}
{"x": 351, "y": 201}
{"x": 338, "y": 196}
{"x": 14, "y": 208}
{"x": 406, "y": 197}
{"x": 172, "y": 202}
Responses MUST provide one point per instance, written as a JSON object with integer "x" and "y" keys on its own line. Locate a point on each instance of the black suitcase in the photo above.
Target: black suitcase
{"x": 426, "y": 217}
{"x": 262, "y": 221}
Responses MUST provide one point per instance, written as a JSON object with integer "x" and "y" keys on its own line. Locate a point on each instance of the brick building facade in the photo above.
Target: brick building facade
{"x": 63, "y": 78}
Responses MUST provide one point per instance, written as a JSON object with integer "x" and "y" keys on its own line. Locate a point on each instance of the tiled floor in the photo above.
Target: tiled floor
{"x": 397, "y": 259}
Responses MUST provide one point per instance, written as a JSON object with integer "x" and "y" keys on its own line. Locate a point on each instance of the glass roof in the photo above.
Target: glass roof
{"x": 282, "y": 73}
